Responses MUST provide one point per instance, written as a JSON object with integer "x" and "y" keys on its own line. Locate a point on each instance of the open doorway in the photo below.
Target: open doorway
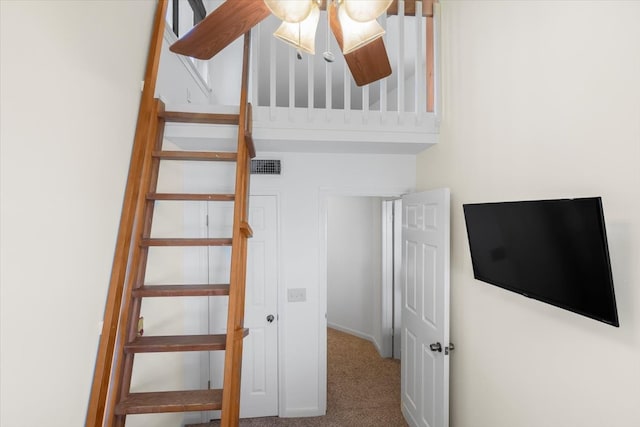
{"x": 363, "y": 263}
{"x": 360, "y": 308}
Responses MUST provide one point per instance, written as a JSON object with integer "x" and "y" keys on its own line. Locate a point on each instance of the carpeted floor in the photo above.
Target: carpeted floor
{"x": 363, "y": 389}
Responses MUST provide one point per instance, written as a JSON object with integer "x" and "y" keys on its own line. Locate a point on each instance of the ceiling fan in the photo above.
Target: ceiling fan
{"x": 353, "y": 23}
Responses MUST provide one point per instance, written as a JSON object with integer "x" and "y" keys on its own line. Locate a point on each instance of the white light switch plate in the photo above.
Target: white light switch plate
{"x": 297, "y": 295}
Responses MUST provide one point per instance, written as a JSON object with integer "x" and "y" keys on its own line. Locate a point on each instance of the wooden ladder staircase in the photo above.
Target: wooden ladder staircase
{"x": 111, "y": 398}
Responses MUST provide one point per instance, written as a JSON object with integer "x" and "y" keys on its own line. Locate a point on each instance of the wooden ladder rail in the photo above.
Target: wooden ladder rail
{"x": 100, "y": 390}
{"x": 241, "y": 232}
{"x": 123, "y": 370}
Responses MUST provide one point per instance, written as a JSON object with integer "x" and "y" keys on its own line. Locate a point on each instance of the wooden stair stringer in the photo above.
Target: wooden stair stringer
{"x": 131, "y": 307}
{"x": 230, "y": 413}
{"x": 140, "y": 204}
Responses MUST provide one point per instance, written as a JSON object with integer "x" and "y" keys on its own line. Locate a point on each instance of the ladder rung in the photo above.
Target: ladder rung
{"x": 220, "y": 156}
{"x": 203, "y": 118}
{"x": 180, "y": 290}
{"x": 191, "y": 197}
{"x": 186, "y": 242}
{"x": 159, "y": 344}
{"x": 170, "y": 401}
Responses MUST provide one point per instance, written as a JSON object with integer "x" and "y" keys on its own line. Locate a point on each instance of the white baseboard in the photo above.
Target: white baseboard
{"x": 358, "y": 334}
{"x": 377, "y": 346}
{"x": 350, "y": 331}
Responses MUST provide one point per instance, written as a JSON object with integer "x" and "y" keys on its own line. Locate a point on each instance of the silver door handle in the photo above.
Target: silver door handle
{"x": 436, "y": 347}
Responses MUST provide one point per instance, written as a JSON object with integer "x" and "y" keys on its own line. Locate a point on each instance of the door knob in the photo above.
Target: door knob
{"x": 436, "y": 347}
{"x": 270, "y": 318}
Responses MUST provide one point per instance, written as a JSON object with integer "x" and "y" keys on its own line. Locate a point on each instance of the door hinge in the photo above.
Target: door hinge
{"x": 209, "y": 385}
{"x": 448, "y": 349}
{"x": 206, "y": 218}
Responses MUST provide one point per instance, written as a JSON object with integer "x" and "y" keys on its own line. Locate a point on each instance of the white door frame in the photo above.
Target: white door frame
{"x": 391, "y": 276}
{"x": 323, "y": 195}
{"x": 397, "y": 279}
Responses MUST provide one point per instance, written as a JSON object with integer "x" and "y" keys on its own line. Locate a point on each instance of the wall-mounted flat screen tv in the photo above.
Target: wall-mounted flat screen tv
{"x": 554, "y": 251}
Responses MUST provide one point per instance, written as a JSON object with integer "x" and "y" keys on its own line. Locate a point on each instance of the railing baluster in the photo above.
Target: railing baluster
{"x": 272, "y": 78}
{"x": 400, "y": 65}
{"x": 327, "y": 89}
{"x": 346, "y": 96}
{"x": 255, "y": 77}
{"x": 311, "y": 84}
{"x": 365, "y": 104}
{"x": 433, "y": 32}
{"x": 383, "y": 82}
{"x": 420, "y": 98}
{"x": 292, "y": 83}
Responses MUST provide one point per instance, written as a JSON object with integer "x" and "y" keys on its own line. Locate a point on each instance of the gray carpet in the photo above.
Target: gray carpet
{"x": 362, "y": 389}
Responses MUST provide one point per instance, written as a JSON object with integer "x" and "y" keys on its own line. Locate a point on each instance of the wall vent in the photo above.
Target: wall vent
{"x": 265, "y": 167}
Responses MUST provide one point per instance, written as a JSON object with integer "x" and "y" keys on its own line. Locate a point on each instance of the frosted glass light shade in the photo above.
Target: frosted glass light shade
{"x": 366, "y": 10}
{"x": 301, "y": 35}
{"x": 357, "y": 34}
{"x": 291, "y": 11}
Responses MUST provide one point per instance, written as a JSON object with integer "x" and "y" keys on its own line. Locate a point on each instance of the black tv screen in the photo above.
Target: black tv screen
{"x": 554, "y": 251}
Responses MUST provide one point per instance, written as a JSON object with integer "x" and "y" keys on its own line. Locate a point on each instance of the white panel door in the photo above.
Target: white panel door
{"x": 259, "y": 389}
{"x": 425, "y": 308}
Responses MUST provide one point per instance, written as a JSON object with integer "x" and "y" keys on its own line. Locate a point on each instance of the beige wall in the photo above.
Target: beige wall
{"x": 542, "y": 100}
{"x": 70, "y": 86}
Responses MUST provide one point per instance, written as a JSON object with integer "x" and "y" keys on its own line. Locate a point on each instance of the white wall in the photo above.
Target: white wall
{"x": 70, "y": 86}
{"x": 178, "y": 81}
{"x": 226, "y": 74}
{"x": 354, "y": 267}
{"x": 306, "y": 183}
{"x": 542, "y": 100}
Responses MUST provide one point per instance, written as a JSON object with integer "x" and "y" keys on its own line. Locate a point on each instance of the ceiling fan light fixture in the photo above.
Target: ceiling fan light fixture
{"x": 365, "y": 10}
{"x": 357, "y": 34}
{"x": 291, "y": 11}
{"x": 301, "y": 35}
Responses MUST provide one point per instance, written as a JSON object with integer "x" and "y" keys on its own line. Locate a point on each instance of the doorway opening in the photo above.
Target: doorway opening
{"x": 361, "y": 271}
{"x": 363, "y": 261}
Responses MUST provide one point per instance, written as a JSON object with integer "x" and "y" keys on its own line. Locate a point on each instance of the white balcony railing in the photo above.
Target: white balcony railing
{"x": 311, "y": 99}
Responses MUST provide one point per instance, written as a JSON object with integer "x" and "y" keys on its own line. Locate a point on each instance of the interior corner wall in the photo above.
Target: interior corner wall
{"x": 375, "y": 252}
{"x": 541, "y": 101}
{"x": 70, "y": 77}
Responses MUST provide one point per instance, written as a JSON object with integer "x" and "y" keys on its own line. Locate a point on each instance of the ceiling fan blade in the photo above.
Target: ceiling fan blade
{"x": 367, "y": 64}
{"x": 229, "y": 21}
